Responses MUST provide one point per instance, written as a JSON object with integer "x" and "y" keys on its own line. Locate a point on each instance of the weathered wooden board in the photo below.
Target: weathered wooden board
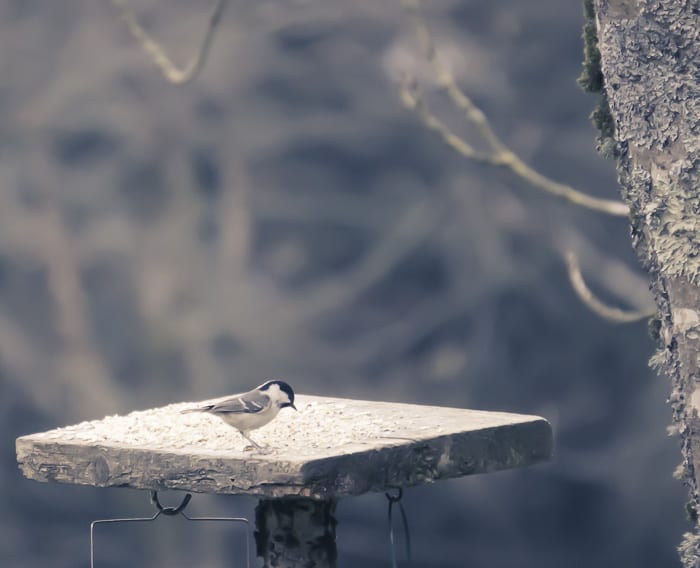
{"x": 332, "y": 447}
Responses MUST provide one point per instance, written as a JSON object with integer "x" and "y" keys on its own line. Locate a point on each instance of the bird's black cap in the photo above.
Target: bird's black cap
{"x": 284, "y": 387}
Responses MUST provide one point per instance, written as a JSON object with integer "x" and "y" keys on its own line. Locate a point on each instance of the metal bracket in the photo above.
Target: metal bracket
{"x": 169, "y": 512}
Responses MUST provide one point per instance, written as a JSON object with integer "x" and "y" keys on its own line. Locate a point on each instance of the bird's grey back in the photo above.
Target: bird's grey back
{"x": 253, "y": 403}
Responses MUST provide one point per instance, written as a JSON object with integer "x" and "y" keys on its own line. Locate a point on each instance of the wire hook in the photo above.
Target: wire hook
{"x": 396, "y": 499}
{"x": 170, "y": 511}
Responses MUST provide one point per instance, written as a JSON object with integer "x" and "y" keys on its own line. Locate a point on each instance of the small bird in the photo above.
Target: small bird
{"x": 252, "y": 409}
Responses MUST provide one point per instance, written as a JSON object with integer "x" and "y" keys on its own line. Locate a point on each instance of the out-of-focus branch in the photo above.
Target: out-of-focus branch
{"x": 82, "y": 367}
{"x": 70, "y": 377}
{"x": 157, "y": 53}
{"x": 408, "y": 232}
{"x": 584, "y": 293}
{"x": 498, "y": 153}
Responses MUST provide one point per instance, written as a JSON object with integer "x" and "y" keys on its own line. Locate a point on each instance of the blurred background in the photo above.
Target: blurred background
{"x": 284, "y": 216}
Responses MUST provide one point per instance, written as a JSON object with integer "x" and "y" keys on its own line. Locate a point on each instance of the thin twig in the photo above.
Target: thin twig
{"x": 499, "y": 154}
{"x": 446, "y": 81}
{"x": 157, "y": 53}
{"x": 584, "y": 293}
{"x": 413, "y": 99}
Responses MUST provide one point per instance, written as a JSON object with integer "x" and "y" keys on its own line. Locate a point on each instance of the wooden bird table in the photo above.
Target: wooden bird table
{"x": 331, "y": 448}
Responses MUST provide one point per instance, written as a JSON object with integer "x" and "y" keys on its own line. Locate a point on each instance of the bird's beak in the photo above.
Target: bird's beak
{"x": 294, "y": 407}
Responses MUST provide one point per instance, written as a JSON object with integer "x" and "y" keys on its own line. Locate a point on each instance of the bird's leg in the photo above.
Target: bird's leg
{"x": 247, "y": 437}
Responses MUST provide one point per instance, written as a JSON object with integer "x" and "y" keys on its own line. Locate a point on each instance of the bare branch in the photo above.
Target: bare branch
{"x": 157, "y": 53}
{"x": 584, "y": 293}
{"x": 499, "y": 154}
{"x": 413, "y": 99}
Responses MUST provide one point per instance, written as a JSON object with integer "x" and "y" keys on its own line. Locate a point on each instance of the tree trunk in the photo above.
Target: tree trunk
{"x": 650, "y": 62}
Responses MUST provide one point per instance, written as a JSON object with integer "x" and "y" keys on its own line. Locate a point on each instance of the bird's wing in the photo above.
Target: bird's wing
{"x": 253, "y": 403}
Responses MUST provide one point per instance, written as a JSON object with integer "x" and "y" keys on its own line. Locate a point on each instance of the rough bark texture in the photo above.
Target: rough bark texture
{"x": 332, "y": 447}
{"x": 650, "y": 60}
{"x": 296, "y": 533}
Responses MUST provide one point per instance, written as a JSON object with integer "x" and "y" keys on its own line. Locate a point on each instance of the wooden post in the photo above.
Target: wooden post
{"x": 296, "y": 533}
